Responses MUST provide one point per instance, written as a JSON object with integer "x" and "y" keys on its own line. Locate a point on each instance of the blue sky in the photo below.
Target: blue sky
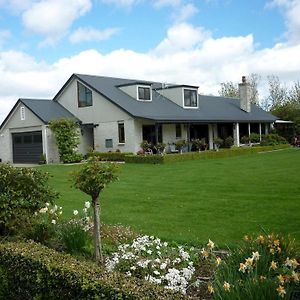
{"x": 203, "y": 42}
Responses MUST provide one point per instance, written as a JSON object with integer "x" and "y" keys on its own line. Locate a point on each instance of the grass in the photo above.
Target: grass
{"x": 190, "y": 202}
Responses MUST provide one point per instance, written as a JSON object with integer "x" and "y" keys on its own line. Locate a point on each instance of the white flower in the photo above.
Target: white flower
{"x": 163, "y": 266}
{"x": 84, "y": 210}
{"x": 75, "y": 212}
{"x": 210, "y": 244}
{"x": 43, "y": 210}
{"x": 156, "y": 273}
{"x": 128, "y": 273}
{"x": 47, "y": 204}
{"x": 53, "y": 222}
{"x": 149, "y": 252}
{"x": 87, "y": 204}
{"x": 255, "y": 255}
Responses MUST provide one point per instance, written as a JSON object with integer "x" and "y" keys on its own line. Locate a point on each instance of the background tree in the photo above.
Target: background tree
{"x": 66, "y": 132}
{"x": 231, "y": 89}
{"x": 92, "y": 178}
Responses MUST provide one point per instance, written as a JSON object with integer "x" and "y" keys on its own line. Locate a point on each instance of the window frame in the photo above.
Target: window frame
{"x": 121, "y": 133}
{"x": 183, "y": 98}
{"x": 87, "y": 92}
{"x": 138, "y": 93}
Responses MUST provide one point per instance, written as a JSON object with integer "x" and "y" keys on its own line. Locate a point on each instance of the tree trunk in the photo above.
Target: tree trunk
{"x": 97, "y": 235}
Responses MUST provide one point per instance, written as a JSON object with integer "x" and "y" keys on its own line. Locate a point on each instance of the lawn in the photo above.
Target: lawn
{"x": 190, "y": 202}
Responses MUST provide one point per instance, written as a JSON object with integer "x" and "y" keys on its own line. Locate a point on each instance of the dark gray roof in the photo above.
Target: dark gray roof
{"x": 161, "y": 109}
{"x": 46, "y": 109}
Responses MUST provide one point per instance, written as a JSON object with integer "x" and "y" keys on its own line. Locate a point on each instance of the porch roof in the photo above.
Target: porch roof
{"x": 161, "y": 109}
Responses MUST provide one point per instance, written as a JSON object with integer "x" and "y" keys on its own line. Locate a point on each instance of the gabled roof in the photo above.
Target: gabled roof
{"x": 44, "y": 109}
{"x": 161, "y": 109}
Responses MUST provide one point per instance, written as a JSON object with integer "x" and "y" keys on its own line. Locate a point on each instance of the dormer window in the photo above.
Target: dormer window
{"x": 144, "y": 93}
{"x": 84, "y": 95}
{"x": 190, "y": 98}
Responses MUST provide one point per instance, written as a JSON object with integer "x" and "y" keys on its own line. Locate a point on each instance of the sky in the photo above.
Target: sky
{"x": 196, "y": 42}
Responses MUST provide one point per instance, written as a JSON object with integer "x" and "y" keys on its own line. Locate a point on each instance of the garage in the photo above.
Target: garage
{"x": 27, "y": 147}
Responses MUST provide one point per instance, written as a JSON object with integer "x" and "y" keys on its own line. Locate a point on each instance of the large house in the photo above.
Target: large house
{"x": 117, "y": 113}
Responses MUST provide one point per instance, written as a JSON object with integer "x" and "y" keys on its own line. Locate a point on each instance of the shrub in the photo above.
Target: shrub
{"x": 145, "y": 159}
{"x": 160, "y": 147}
{"x": 272, "y": 139}
{"x": 22, "y": 192}
{"x": 72, "y": 158}
{"x": 145, "y": 145}
{"x": 199, "y": 144}
{"x": 262, "y": 268}
{"x": 34, "y": 271}
{"x": 254, "y": 138}
{"x": 179, "y": 144}
{"x": 228, "y": 142}
{"x": 245, "y": 139}
{"x": 110, "y": 156}
{"x": 218, "y": 142}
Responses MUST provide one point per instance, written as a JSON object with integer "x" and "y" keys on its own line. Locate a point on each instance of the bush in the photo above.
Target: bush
{"x": 145, "y": 145}
{"x": 262, "y": 268}
{"x": 23, "y": 191}
{"x": 110, "y": 156}
{"x": 144, "y": 159}
{"x": 180, "y": 144}
{"x": 245, "y": 139}
{"x": 272, "y": 139}
{"x": 72, "y": 158}
{"x": 254, "y": 138}
{"x": 34, "y": 271}
{"x": 228, "y": 142}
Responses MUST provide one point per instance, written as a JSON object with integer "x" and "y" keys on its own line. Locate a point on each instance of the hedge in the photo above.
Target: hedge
{"x": 32, "y": 271}
{"x": 169, "y": 158}
{"x": 110, "y": 156}
{"x": 145, "y": 159}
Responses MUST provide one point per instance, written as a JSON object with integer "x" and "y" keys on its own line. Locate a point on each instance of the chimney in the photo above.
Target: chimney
{"x": 245, "y": 95}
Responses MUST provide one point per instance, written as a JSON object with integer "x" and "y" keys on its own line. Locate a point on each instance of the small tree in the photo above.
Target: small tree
{"x": 67, "y": 139}
{"x": 92, "y": 178}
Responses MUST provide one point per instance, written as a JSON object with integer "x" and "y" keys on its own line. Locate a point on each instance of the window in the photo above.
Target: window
{"x": 190, "y": 98}
{"x": 178, "y": 131}
{"x": 144, "y": 93}
{"x": 108, "y": 143}
{"x": 84, "y": 96}
{"x": 121, "y": 131}
{"x": 22, "y": 113}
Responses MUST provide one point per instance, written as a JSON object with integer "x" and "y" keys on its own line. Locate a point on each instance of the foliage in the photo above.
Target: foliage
{"x": 144, "y": 159}
{"x": 66, "y": 132}
{"x": 72, "y": 158}
{"x": 245, "y": 139}
{"x": 75, "y": 233}
{"x": 254, "y": 138}
{"x": 145, "y": 145}
{"x": 272, "y": 139}
{"x": 22, "y": 192}
{"x": 228, "y": 142}
{"x": 160, "y": 147}
{"x": 218, "y": 142}
{"x": 34, "y": 271}
{"x": 110, "y": 156}
{"x": 262, "y": 268}
{"x": 91, "y": 179}
{"x": 179, "y": 144}
{"x": 153, "y": 260}
{"x": 199, "y": 144}
{"x": 229, "y": 89}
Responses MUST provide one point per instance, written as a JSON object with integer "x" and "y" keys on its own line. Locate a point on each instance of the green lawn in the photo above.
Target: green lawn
{"x": 190, "y": 202}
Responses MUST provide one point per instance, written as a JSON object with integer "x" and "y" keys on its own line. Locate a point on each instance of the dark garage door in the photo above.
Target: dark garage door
{"x": 27, "y": 147}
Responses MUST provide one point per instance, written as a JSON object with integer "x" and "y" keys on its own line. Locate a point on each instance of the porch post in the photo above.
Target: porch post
{"x": 236, "y": 134}
{"x": 266, "y": 128}
{"x": 156, "y": 133}
{"x": 249, "y": 129}
{"x": 259, "y": 128}
{"x": 210, "y": 137}
{"x": 188, "y": 136}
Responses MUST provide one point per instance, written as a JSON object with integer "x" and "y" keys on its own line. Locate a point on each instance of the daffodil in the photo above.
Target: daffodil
{"x": 280, "y": 279}
{"x": 281, "y": 291}
{"x": 242, "y": 268}
{"x": 273, "y": 265}
{"x": 210, "y": 289}
{"x": 204, "y": 253}
{"x": 218, "y": 260}
{"x": 226, "y": 286}
{"x": 261, "y": 239}
{"x": 210, "y": 244}
{"x": 255, "y": 255}
{"x": 295, "y": 276}
{"x": 249, "y": 261}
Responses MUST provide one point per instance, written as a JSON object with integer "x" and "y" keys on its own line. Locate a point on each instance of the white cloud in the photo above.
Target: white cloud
{"x": 291, "y": 12}
{"x": 16, "y": 6}
{"x": 126, "y": 3}
{"x": 187, "y": 55}
{"x": 162, "y": 3}
{"x": 185, "y": 12}
{"x": 85, "y": 34}
{"x": 4, "y": 36}
{"x": 53, "y": 18}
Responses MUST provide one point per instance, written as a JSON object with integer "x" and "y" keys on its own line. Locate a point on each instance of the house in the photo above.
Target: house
{"x": 117, "y": 113}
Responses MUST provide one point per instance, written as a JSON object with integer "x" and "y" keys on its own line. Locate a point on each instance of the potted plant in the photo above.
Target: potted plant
{"x": 218, "y": 142}
{"x": 42, "y": 160}
{"x": 199, "y": 144}
{"x": 229, "y": 142}
{"x": 160, "y": 147}
{"x": 180, "y": 144}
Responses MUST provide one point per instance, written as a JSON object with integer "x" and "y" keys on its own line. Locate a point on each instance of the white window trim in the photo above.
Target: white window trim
{"x": 137, "y": 93}
{"x": 22, "y": 113}
{"x": 190, "y": 107}
{"x": 119, "y": 143}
